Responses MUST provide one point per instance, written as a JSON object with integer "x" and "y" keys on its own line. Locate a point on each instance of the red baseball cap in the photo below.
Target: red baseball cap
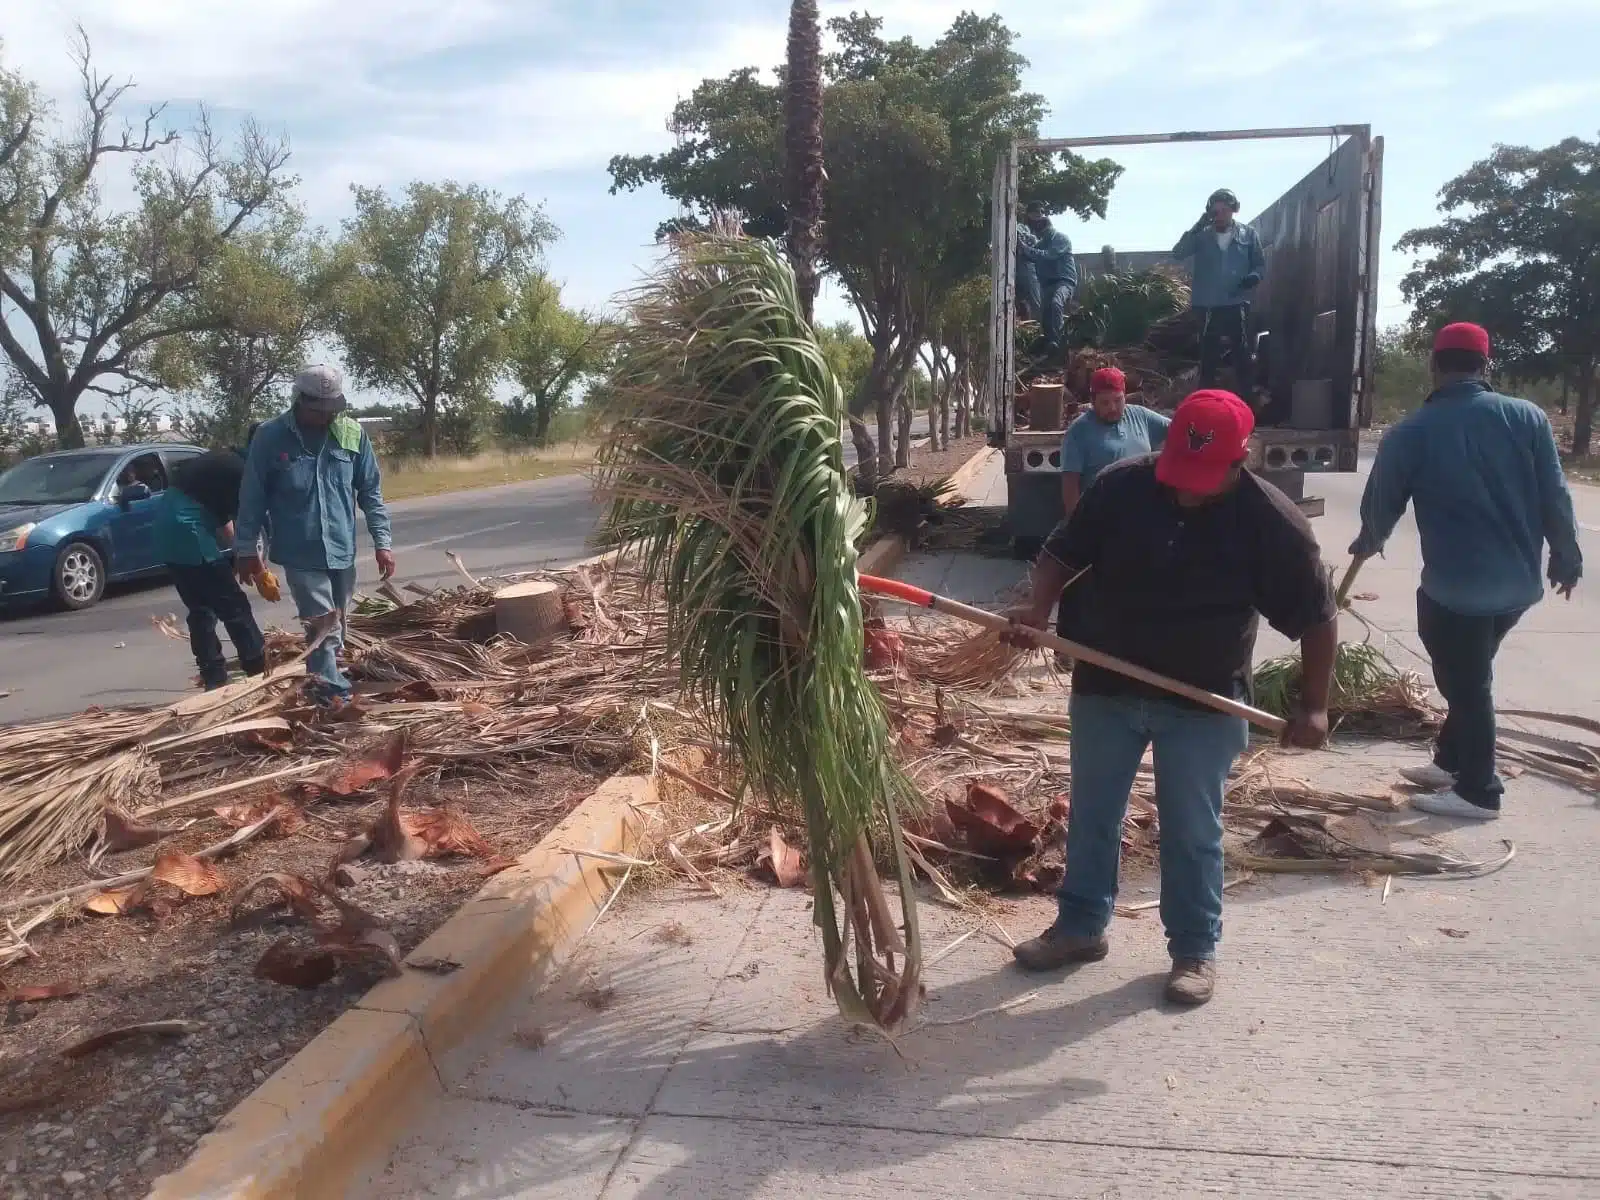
{"x": 1209, "y": 436}
{"x": 1463, "y": 335}
{"x": 1107, "y": 379}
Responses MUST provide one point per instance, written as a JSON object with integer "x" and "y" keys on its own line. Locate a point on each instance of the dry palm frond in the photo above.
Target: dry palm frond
{"x": 724, "y": 473}
{"x": 1370, "y": 694}
{"x": 980, "y": 661}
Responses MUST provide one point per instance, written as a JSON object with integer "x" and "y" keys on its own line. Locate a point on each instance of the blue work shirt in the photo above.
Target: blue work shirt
{"x": 307, "y": 485}
{"x": 1216, "y": 273}
{"x": 1051, "y": 256}
{"x": 1483, "y": 472}
{"x": 1090, "y": 445}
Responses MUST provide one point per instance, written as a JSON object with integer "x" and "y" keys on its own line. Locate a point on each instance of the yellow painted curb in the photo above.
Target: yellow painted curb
{"x": 335, "y": 1109}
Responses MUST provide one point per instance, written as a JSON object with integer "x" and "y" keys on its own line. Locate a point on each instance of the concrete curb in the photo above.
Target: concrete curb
{"x": 971, "y": 469}
{"x": 335, "y": 1109}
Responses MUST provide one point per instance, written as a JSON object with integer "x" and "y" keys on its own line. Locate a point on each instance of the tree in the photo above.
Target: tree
{"x": 802, "y": 144}
{"x": 552, "y": 350}
{"x": 422, "y": 290}
{"x": 261, "y": 298}
{"x": 1519, "y": 252}
{"x": 88, "y": 295}
{"x": 848, "y": 353}
{"x": 911, "y": 138}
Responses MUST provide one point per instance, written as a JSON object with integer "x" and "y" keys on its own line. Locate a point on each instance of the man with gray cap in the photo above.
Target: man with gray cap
{"x": 306, "y": 472}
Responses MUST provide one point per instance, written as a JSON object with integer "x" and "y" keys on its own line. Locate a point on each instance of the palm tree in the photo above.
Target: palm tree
{"x": 802, "y": 139}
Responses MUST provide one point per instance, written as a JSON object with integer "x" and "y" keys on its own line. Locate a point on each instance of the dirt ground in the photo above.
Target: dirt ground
{"x": 107, "y": 1123}
{"x": 928, "y": 465}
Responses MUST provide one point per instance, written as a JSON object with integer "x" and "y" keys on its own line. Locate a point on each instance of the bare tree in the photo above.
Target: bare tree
{"x": 95, "y": 291}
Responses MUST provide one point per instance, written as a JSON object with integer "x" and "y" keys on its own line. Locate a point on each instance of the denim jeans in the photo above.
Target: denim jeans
{"x": 1462, "y": 649}
{"x": 316, "y": 594}
{"x": 1044, "y": 302}
{"x": 211, "y": 594}
{"x": 1194, "y": 751}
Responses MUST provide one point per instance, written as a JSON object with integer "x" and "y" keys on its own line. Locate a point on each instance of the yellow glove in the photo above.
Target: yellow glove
{"x": 267, "y": 585}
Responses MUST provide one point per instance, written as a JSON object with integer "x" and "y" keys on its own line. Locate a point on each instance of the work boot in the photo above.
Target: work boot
{"x": 1051, "y": 951}
{"x": 1191, "y": 981}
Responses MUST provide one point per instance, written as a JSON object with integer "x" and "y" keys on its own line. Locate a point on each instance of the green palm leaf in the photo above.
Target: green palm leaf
{"x": 724, "y": 474}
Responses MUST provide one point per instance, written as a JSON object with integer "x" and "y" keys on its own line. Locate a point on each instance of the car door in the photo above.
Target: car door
{"x": 133, "y": 524}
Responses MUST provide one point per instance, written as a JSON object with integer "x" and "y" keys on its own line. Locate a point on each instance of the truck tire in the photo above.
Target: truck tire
{"x": 79, "y": 578}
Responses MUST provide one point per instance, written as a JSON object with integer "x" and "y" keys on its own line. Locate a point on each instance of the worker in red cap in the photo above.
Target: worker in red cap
{"x": 1185, "y": 551}
{"x": 1110, "y": 431}
{"x": 1484, "y": 474}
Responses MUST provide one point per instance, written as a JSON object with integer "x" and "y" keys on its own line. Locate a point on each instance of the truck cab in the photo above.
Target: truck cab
{"x": 1313, "y": 322}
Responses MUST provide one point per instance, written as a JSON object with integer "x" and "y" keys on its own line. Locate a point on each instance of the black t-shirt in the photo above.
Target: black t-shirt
{"x": 212, "y": 478}
{"x": 1180, "y": 590}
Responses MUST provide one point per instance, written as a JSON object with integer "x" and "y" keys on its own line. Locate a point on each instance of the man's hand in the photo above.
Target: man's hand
{"x": 385, "y": 563}
{"x": 225, "y": 534}
{"x": 1564, "y": 590}
{"x": 1307, "y": 729}
{"x": 1025, "y": 619}
{"x": 248, "y": 568}
{"x": 1250, "y": 281}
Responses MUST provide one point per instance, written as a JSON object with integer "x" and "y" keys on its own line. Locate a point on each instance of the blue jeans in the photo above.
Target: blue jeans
{"x": 1045, "y": 302}
{"x": 316, "y": 594}
{"x": 1194, "y": 751}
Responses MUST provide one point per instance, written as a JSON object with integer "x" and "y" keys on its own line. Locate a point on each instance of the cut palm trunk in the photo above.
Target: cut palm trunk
{"x": 724, "y": 476}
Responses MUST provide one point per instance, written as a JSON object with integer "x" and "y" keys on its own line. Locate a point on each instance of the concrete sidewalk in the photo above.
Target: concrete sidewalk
{"x": 1354, "y": 1048}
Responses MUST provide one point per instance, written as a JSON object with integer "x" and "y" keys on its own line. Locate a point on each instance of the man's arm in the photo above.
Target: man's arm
{"x": 1071, "y": 490}
{"x": 1071, "y": 548}
{"x": 1559, "y": 522}
{"x": 369, "y": 495}
{"x": 1295, "y": 595}
{"x": 1387, "y": 493}
{"x": 1191, "y": 238}
{"x": 1258, "y": 256}
{"x": 252, "y": 515}
{"x": 1156, "y": 426}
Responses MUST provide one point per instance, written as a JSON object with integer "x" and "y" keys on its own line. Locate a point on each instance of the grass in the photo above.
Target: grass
{"x": 409, "y": 478}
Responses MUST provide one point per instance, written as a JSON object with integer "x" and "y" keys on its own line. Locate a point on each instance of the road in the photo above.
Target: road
{"x": 54, "y": 662}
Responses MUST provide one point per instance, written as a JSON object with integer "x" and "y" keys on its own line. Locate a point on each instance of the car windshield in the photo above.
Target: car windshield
{"x": 55, "y": 479}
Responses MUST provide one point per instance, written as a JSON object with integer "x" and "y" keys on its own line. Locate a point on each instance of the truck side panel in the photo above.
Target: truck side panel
{"x": 1313, "y": 300}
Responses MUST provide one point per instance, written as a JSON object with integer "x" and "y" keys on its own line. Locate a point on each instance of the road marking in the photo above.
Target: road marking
{"x": 451, "y": 537}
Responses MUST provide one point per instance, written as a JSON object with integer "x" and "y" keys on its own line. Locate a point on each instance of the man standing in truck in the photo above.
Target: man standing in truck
{"x": 1228, "y": 264}
{"x": 1185, "y": 552}
{"x": 1047, "y": 275}
{"x": 1484, "y": 474}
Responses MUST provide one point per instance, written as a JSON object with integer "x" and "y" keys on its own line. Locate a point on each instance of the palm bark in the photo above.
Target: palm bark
{"x": 804, "y": 176}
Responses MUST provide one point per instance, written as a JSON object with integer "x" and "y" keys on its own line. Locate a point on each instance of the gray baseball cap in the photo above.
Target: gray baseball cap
{"x": 320, "y": 387}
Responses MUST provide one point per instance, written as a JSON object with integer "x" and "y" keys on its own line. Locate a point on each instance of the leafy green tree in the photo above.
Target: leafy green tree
{"x": 88, "y": 295}
{"x": 910, "y": 142}
{"x": 848, "y": 353}
{"x": 261, "y": 299}
{"x": 552, "y": 351}
{"x": 1518, "y": 251}
{"x": 422, "y": 291}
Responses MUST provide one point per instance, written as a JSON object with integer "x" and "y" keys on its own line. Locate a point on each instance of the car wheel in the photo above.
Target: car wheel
{"x": 80, "y": 576}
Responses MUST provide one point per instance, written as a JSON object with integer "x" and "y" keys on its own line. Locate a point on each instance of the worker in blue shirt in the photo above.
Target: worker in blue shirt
{"x": 306, "y": 473}
{"x": 1047, "y": 275}
{"x": 1108, "y": 432}
{"x": 1485, "y": 477}
{"x": 1228, "y": 265}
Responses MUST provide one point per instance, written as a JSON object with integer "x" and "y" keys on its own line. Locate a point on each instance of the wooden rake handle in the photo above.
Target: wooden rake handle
{"x": 893, "y": 589}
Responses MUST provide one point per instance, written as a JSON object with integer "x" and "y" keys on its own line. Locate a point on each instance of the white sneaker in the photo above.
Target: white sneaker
{"x": 1448, "y": 804}
{"x": 1434, "y": 778}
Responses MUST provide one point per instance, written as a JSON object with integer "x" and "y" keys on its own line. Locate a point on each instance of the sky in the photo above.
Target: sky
{"x": 535, "y": 96}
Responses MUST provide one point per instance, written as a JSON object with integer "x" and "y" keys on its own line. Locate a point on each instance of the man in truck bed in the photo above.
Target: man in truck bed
{"x": 1228, "y": 265}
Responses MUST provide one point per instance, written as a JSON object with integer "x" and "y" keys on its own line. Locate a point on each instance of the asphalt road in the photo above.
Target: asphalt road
{"x": 56, "y": 662}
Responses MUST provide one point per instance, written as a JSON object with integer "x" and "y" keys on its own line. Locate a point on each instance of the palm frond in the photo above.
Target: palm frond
{"x": 724, "y": 473}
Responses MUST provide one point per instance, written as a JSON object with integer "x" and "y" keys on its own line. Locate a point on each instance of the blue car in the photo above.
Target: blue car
{"x": 74, "y": 521}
